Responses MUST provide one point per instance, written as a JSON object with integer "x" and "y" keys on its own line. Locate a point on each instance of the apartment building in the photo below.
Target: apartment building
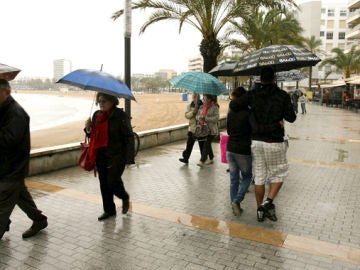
{"x": 61, "y": 68}
{"x": 353, "y": 17}
{"x": 196, "y": 63}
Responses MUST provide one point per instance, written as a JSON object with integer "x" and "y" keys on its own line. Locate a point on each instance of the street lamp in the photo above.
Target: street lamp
{"x": 127, "y": 39}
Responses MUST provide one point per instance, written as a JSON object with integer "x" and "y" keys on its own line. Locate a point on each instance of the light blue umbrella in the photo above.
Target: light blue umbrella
{"x": 99, "y": 81}
{"x": 199, "y": 83}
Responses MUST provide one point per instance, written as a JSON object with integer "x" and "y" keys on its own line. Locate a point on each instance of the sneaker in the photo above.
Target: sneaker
{"x": 270, "y": 211}
{"x": 236, "y": 208}
{"x": 200, "y": 164}
{"x": 260, "y": 214}
{"x": 209, "y": 161}
{"x": 35, "y": 228}
{"x": 183, "y": 160}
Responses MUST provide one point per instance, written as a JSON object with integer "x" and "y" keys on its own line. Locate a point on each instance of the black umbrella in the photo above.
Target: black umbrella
{"x": 279, "y": 57}
{"x": 224, "y": 69}
{"x": 286, "y": 76}
{"x": 8, "y": 73}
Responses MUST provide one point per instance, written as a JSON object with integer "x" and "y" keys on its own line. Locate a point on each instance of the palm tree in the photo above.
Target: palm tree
{"x": 313, "y": 45}
{"x": 263, "y": 28}
{"x": 207, "y": 16}
{"x": 345, "y": 63}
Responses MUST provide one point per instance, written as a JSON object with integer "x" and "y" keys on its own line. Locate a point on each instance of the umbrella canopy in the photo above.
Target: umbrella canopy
{"x": 99, "y": 81}
{"x": 8, "y": 73}
{"x": 279, "y": 57}
{"x": 224, "y": 69}
{"x": 199, "y": 83}
{"x": 286, "y": 76}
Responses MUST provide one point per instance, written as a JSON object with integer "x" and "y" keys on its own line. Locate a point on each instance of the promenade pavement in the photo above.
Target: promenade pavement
{"x": 181, "y": 217}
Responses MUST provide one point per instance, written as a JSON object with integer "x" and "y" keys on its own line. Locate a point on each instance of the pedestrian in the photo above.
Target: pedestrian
{"x": 209, "y": 115}
{"x": 302, "y": 100}
{"x": 190, "y": 114}
{"x": 14, "y": 164}
{"x": 269, "y": 106}
{"x": 238, "y": 153}
{"x": 111, "y": 147}
{"x": 295, "y": 99}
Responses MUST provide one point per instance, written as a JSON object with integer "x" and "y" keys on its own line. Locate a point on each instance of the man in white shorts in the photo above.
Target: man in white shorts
{"x": 269, "y": 106}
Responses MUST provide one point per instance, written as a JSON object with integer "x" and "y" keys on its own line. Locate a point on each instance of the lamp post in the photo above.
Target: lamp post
{"x": 127, "y": 58}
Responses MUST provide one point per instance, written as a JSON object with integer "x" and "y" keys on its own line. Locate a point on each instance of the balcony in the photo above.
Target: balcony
{"x": 352, "y": 17}
{"x": 354, "y": 4}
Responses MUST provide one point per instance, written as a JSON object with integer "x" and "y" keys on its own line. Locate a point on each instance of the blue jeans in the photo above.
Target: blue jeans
{"x": 239, "y": 164}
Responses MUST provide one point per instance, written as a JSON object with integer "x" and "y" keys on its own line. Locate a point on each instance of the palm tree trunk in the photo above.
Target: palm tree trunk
{"x": 210, "y": 50}
{"x": 310, "y": 78}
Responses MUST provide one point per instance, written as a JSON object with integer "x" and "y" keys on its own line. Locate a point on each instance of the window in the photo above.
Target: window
{"x": 343, "y": 12}
{"x": 341, "y": 46}
{"x": 323, "y": 10}
{"x": 322, "y": 22}
{"x": 331, "y": 12}
{"x": 329, "y": 47}
{"x": 342, "y": 23}
{"x": 341, "y": 35}
{"x": 329, "y": 35}
{"x": 330, "y": 24}
{"x": 322, "y": 33}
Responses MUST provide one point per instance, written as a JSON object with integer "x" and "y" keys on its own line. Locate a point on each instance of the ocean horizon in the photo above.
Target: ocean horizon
{"x": 48, "y": 111}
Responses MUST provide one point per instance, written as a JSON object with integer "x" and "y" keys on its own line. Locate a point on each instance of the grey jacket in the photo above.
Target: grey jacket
{"x": 211, "y": 118}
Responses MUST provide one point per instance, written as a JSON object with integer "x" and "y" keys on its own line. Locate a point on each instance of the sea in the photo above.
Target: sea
{"x": 48, "y": 111}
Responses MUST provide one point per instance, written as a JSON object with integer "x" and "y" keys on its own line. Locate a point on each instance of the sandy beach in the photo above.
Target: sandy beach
{"x": 149, "y": 112}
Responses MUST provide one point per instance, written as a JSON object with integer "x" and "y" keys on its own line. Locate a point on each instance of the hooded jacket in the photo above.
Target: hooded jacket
{"x": 14, "y": 141}
{"x": 268, "y": 106}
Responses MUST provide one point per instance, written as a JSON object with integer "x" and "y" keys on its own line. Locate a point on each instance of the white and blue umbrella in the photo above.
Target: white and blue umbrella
{"x": 199, "y": 83}
{"x": 99, "y": 81}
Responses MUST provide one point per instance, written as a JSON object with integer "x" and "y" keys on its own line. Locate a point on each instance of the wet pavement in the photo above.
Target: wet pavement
{"x": 181, "y": 216}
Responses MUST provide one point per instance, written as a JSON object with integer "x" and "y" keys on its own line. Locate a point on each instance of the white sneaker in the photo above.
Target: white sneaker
{"x": 200, "y": 164}
{"x": 209, "y": 161}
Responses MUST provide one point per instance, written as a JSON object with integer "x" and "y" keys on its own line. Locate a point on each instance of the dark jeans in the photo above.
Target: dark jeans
{"x": 207, "y": 149}
{"x": 16, "y": 193}
{"x": 190, "y": 144}
{"x": 111, "y": 184}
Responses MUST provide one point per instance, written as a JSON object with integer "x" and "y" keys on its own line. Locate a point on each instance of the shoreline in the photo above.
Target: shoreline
{"x": 150, "y": 111}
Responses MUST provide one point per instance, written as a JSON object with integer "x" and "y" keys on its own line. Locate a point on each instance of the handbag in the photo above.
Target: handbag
{"x": 201, "y": 130}
{"x": 84, "y": 161}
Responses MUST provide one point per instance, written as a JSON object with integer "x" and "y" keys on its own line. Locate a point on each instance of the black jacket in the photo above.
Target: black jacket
{"x": 239, "y": 130}
{"x": 268, "y": 105}
{"x": 120, "y": 149}
{"x": 14, "y": 141}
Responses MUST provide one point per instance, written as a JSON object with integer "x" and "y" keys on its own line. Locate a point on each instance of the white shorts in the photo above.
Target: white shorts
{"x": 269, "y": 162}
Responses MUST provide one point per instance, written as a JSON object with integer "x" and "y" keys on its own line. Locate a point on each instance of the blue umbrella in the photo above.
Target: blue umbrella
{"x": 99, "y": 81}
{"x": 199, "y": 83}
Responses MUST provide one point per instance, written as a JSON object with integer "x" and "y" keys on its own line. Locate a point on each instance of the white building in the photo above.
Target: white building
{"x": 327, "y": 21}
{"x": 61, "y": 68}
{"x": 196, "y": 63}
{"x": 354, "y": 14}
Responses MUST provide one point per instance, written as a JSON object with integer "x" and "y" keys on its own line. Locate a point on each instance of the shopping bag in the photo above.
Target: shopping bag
{"x": 224, "y": 137}
{"x": 84, "y": 161}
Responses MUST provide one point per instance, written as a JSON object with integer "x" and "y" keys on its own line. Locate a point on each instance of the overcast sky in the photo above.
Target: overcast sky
{"x": 34, "y": 33}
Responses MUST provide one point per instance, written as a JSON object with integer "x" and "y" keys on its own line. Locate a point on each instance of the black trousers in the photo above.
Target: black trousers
{"x": 207, "y": 149}
{"x": 111, "y": 184}
{"x": 16, "y": 193}
{"x": 190, "y": 144}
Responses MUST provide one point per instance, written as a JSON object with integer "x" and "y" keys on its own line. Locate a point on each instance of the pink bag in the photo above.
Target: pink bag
{"x": 224, "y": 137}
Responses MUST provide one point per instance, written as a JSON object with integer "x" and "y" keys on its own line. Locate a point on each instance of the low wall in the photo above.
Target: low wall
{"x": 48, "y": 159}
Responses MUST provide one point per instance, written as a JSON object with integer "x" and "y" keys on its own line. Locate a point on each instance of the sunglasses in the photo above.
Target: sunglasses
{"x": 101, "y": 101}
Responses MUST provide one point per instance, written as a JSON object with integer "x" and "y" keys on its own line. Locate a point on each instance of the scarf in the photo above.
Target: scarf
{"x": 99, "y": 135}
{"x": 205, "y": 111}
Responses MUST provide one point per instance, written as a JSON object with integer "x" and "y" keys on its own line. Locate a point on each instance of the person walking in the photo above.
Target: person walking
{"x": 111, "y": 147}
{"x": 269, "y": 106}
{"x": 210, "y": 116}
{"x": 14, "y": 164}
{"x": 302, "y": 100}
{"x": 238, "y": 152}
{"x": 190, "y": 114}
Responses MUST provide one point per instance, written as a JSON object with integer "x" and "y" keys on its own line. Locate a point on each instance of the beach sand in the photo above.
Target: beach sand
{"x": 151, "y": 111}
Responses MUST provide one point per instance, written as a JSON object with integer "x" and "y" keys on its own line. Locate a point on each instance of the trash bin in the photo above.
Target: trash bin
{"x": 184, "y": 97}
